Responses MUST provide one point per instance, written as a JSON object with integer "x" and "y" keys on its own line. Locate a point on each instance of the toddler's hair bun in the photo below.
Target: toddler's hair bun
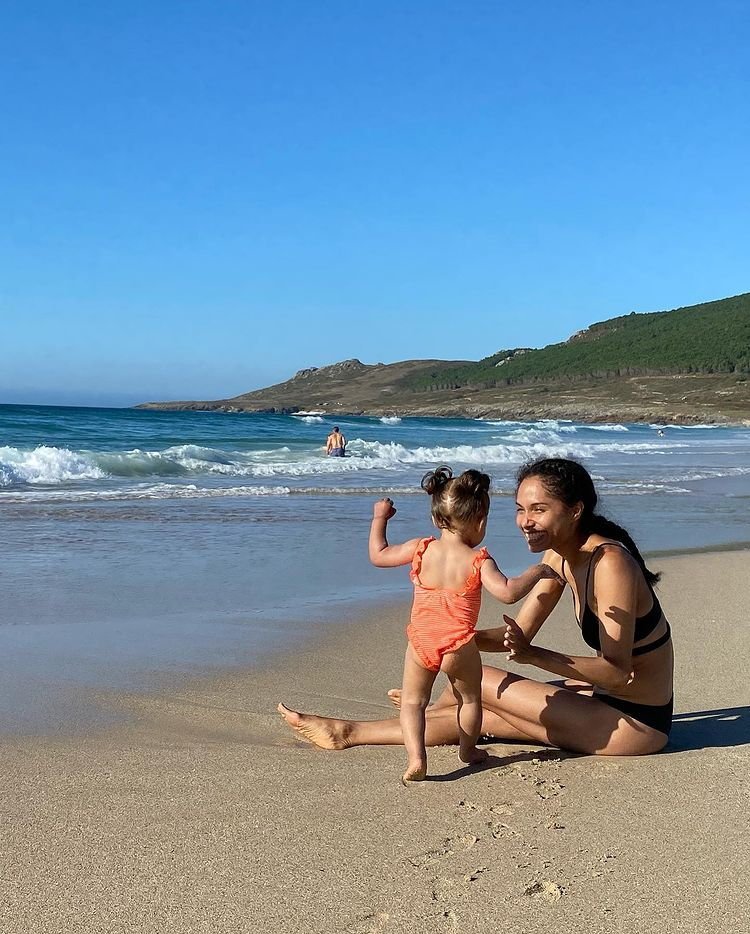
{"x": 475, "y": 481}
{"x": 434, "y": 480}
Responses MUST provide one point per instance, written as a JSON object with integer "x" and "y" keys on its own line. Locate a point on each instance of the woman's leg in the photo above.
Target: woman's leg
{"x": 441, "y": 729}
{"x": 514, "y": 708}
{"x": 415, "y": 696}
{"x": 566, "y": 717}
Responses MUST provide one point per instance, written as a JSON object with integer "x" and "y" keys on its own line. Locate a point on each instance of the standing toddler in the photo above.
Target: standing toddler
{"x": 448, "y": 574}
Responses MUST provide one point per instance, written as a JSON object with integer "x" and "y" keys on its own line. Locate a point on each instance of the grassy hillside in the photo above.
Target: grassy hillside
{"x": 710, "y": 338}
{"x": 689, "y": 365}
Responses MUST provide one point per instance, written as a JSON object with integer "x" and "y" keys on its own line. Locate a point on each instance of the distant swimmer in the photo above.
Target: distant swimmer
{"x": 336, "y": 443}
{"x": 660, "y": 432}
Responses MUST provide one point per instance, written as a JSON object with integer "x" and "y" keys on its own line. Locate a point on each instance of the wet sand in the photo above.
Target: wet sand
{"x": 203, "y": 812}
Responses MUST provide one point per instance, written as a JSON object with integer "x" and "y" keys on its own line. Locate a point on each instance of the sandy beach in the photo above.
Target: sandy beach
{"x": 202, "y": 812}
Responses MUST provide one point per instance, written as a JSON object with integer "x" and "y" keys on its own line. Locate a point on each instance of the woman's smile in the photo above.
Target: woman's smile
{"x": 534, "y": 537}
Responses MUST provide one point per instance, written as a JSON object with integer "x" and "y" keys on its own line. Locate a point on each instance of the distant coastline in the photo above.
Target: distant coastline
{"x": 695, "y": 400}
{"x": 688, "y": 366}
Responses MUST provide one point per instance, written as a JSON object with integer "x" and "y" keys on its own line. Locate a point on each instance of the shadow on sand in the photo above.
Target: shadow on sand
{"x": 700, "y": 729}
{"x": 709, "y": 729}
{"x": 497, "y": 762}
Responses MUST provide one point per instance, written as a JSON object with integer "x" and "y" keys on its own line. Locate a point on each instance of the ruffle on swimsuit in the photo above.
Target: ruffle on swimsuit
{"x": 442, "y": 620}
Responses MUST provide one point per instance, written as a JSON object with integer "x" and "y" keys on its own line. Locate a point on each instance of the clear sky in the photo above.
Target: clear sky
{"x": 199, "y": 197}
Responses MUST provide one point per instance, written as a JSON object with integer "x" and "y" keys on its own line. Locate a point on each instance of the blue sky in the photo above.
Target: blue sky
{"x": 200, "y": 198}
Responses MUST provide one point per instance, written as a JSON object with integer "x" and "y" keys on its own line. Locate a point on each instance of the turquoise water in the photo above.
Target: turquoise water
{"x": 140, "y": 543}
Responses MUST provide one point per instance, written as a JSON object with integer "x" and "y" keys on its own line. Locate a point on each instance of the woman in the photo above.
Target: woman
{"x": 617, "y": 703}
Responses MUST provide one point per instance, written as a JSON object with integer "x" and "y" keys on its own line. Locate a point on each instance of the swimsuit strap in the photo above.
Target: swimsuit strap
{"x": 481, "y": 556}
{"x": 591, "y": 562}
{"x": 476, "y": 567}
{"x": 416, "y": 561}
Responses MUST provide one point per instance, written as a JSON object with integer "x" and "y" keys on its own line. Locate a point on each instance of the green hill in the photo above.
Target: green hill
{"x": 710, "y": 338}
{"x": 688, "y": 365}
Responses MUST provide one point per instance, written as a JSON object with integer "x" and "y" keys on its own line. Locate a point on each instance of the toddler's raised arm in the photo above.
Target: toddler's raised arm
{"x": 512, "y": 589}
{"x": 383, "y": 555}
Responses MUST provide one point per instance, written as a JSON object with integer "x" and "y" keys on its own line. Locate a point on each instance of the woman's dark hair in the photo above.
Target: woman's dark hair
{"x": 457, "y": 501}
{"x": 571, "y": 483}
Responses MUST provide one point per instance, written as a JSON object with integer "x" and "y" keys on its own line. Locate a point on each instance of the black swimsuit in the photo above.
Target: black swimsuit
{"x": 658, "y": 716}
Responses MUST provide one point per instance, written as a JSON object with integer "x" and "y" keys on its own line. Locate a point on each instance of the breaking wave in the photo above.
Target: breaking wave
{"x": 50, "y": 466}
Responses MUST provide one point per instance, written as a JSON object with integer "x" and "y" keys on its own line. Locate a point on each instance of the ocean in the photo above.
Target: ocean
{"x": 140, "y": 546}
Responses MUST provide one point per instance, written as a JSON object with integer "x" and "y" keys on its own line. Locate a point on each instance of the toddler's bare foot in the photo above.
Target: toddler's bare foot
{"x": 415, "y": 772}
{"x": 474, "y": 756}
{"x": 320, "y": 731}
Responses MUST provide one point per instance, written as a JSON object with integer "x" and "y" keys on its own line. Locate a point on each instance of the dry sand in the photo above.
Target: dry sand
{"x": 205, "y": 814}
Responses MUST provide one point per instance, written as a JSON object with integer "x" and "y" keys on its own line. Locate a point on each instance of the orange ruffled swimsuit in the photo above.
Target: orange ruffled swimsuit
{"x": 443, "y": 620}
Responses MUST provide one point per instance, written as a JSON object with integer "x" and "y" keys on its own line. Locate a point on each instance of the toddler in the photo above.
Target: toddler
{"x": 448, "y": 574}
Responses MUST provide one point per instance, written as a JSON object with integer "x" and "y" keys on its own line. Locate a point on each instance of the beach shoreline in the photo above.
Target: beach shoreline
{"x": 203, "y": 811}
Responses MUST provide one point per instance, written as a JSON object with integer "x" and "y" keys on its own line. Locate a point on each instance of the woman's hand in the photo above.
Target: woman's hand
{"x": 384, "y": 509}
{"x": 515, "y": 642}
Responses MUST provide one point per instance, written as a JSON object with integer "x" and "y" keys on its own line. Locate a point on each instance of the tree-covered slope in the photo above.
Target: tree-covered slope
{"x": 710, "y": 338}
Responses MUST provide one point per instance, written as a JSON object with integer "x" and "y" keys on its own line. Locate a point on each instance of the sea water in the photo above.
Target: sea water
{"x": 137, "y": 544}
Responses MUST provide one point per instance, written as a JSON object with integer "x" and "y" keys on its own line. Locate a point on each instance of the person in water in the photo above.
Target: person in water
{"x": 336, "y": 443}
{"x": 617, "y": 702}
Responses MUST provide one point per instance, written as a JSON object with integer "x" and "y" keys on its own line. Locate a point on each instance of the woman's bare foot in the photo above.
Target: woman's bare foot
{"x": 320, "y": 731}
{"x": 416, "y": 772}
{"x": 474, "y": 756}
{"x": 446, "y": 699}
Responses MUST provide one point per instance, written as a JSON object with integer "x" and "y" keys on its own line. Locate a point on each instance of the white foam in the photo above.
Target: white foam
{"x": 46, "y": 465}
{"x": 391, "y": 420}
{"x": 153, "y": 491}
{"x": 686, "y": 427}
{"x": 608, "y": 428}
{"x": 544, "y": 424}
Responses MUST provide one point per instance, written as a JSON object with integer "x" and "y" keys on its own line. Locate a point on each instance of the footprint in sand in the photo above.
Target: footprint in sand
{"x": 450, "y": 845}
{"x": 447, "y": 890}
{"x": 548, "y": 788}
{"x": 543, "y": 888}
{"x": 423, "y": 860}
{"x": 502, "y": 810}
{"x": 467, "y": 806}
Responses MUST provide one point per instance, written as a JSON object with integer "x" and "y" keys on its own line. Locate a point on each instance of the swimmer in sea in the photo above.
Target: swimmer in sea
{"x": 336, "y": 443}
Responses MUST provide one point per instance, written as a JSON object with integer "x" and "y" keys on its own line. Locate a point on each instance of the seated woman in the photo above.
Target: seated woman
{"x": 616, "y": 703}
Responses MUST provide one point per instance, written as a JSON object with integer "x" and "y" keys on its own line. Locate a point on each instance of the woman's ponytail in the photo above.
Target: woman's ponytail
{"x": 605, "y": 527}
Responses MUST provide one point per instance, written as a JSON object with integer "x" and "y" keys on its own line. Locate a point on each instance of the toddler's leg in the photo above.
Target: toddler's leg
{"x": 464, "y": 670}
{"x": 415, "y": 697}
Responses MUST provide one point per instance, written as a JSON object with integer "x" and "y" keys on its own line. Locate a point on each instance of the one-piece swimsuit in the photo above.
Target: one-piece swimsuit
{"x": 443, "y": 620}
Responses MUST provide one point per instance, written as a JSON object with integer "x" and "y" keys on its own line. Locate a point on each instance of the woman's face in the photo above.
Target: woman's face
{"x": 544, "y": 519}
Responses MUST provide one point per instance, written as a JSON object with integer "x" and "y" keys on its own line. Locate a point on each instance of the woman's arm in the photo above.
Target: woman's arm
{"x": 536, "y": 608}
{"x": 383, "y": 555}
{"x": 615, "y": 594}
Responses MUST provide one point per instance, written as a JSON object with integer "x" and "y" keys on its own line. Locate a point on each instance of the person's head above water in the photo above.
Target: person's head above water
{"x": 556, "y": 500}
{"x": 458, "y": 503}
